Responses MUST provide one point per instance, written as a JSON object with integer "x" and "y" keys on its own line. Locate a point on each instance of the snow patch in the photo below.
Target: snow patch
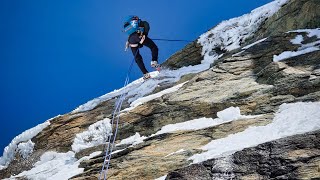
{"x": 227, "y": 115}
{"x": 187, "y": 125}
{"x": 297, "y": 40}
{"x": 139, "y": 88}
{"x": 96, "y": 134}
{"x": 290, "y": 54}
{"x": 133, "y": 140}
{"x": 223, "y": 165}
{"x": 228, "y": 35}
{"x": 25, "y": 148}
{"x": 177, "y": 152}
{"x": 290, "y": 119}
{"x": 53, "y": 165}
{"x": 161, "y": 178}
{"x": 310, "y": 32}
{"x": 304, "y": 49}
{"x": 253, "y": 44}
{"x": 143, "y": 100}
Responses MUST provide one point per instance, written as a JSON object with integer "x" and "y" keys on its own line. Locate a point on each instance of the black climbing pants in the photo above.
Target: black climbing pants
{"x": 138, "y": 58}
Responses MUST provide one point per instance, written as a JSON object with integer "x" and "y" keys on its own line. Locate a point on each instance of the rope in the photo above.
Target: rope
{"x": 116, "y": 117}
{"x": 115, "y": 120}
{"x": 181, "y": 40}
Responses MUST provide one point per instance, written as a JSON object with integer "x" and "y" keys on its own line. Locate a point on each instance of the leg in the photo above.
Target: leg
{"x": 138, "y": 59}
{"x": 153, "y": 47}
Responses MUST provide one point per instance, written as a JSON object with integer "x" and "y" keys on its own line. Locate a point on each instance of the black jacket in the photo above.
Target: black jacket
{"x": 146, "y": 27}
{"x": 134, "y": 38}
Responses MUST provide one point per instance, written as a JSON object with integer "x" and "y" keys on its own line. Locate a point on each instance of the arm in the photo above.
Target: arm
{"x": 146, "y": 27}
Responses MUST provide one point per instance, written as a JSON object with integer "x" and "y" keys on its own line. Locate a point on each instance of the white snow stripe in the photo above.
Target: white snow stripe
{"x": 291, "y": 119}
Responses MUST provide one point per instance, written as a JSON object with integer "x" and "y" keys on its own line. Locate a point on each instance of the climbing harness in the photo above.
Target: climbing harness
{"x": 114, "y": 131}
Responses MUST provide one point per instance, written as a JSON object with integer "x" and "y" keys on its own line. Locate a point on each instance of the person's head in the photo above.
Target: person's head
{"x": 131, "y": 24}
{"x": 129, "y": 19}
{"x": 134, "y": 18}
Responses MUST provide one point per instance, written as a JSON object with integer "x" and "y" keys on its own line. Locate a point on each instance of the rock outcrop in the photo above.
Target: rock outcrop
{"x": 189, "y": 55}
{"x": 247, "y": 78}
{"x": 296, "y": 157}
{"x": 296, "y": 14}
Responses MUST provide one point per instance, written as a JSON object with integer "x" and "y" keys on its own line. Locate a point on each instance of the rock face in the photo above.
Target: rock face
{"x": 297, "y": 14}
{"x": 296, "y": 157}
{"x": 190, "y": 55}
{"x": 246, "y": 77}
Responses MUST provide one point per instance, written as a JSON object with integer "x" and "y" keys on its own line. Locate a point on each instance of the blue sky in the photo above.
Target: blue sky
{"x": 56, "y": 55}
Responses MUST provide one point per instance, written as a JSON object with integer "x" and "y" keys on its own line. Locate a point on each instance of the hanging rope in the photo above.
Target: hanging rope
{"x": 116, "y": 116}
{"x": 114, "y": 121}
{"x": 181, "y": 40}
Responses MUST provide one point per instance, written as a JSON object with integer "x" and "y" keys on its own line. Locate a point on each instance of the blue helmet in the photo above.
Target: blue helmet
{"x": 131, "y": 24}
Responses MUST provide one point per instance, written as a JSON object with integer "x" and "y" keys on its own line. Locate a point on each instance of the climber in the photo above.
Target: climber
{"x": 138, "y": 37}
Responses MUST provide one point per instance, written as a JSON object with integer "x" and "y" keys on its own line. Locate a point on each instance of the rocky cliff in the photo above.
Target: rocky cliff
{"x": 277, "y": 72}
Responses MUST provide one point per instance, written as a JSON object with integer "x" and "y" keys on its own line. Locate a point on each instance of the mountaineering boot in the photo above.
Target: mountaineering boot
{"x": 146, "y": 76}
{"x": 155, "y": 65}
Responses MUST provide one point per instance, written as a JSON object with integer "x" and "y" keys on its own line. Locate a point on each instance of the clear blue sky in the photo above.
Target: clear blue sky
{"x": 57, "y": 54}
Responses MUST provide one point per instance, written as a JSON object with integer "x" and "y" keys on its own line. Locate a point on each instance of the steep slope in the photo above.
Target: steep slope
{"x": 242, "y": 112}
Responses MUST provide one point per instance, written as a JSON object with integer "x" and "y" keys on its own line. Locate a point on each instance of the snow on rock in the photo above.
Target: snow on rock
{"x": 187, "y": 125}
{"x": 291, "y": 119}
{"x": 229, "y": 34}
{"x": 289, "y": 54}
{"x": 139, "y": 88}
{"x": 153, "y": 96}
{"x": 297, "y": 40}
{"x": 310, "y": 32}
{"x": 53, "y": 165}
{"x": 161, "y": 178}
{"x": 96, "y": 134}
{"x": 22, "y": 144}
{"x": 25, "y": 148}
{"x": 223, "y": 164}
{"x": 304, "y": 49}
{"x": 177, "y": 152}
{"x": 135, "y": 139}
{"x": 253, "y": 44}
{"x": 227, "y": 115}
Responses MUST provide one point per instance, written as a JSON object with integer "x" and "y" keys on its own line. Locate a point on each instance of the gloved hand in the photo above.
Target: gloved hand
{"x": 126, "y": 46}
{"x": 143, "y": 37}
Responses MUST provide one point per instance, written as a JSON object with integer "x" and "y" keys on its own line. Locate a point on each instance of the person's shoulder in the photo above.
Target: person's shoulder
{"x": 144, "y": 22}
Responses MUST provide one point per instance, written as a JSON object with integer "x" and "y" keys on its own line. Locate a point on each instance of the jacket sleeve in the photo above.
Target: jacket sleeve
{"x": 146, "y": 27}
